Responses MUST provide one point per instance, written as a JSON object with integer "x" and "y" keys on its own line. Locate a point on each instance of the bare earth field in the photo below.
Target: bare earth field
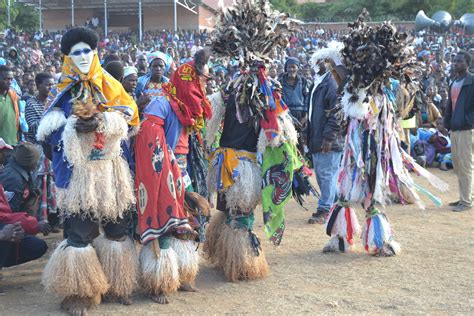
{"x": 434, "y": 274}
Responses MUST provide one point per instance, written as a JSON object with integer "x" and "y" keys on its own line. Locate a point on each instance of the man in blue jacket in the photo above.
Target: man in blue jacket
{"x": 324, "y": 138}
{"x": 459, "y": 119}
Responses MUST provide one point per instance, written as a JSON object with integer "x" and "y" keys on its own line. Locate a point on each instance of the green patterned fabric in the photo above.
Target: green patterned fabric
{"x": 241, "y": 221}
{"x": 278, "y": 166}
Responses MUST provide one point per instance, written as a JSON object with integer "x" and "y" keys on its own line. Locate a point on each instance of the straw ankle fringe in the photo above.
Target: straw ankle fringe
{"x": 73, "y": 271}
{"x": 159, "y": 269}
{"x": 188, "y": 259}
{"x": 212, "y": 246}
{"x": 240, "y": 263}
{"x": 120, "y": 264}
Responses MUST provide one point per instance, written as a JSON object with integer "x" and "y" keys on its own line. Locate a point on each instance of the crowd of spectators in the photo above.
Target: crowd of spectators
{"x": 35, "y": 60}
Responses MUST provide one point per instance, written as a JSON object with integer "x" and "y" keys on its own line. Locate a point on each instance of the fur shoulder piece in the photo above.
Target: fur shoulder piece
{"x": 51, "y": 122}
{"x": 115, "y": 124}
{"x": 218, "y": 112}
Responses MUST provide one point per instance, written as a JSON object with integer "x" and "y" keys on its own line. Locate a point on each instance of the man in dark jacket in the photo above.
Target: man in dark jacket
{"x": 17, "y": 178}
{"x": 295, "y": 90}
{"x": 324, "y": 139}
{"x": 459, "y": 119}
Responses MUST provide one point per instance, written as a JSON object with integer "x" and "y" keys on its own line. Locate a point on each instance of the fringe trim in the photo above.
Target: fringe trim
{"x": 73, "y": 271}
{"x": 188, "y": 259}
{"x": 240, "y": 262}
{"x": 213, "y": 244}
{"x": 79, "y": 146}
{"x": 100, "y": 189}
{"x": 120, "y": 264}
{"x": 115, "y": 125}
{"x": 51, "y": 122}
{"x": 218, "y": 112}
{"x": 159, "y": 269}
{"x": 246, "y": 193}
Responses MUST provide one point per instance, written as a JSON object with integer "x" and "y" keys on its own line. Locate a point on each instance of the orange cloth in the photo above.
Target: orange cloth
{"x": 107, "y": 90}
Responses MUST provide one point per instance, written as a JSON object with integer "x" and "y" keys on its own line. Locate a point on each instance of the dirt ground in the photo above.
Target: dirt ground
{"x": 434, "y": 273}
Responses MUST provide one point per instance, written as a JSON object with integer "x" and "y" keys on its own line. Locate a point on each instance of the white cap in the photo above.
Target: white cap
{"x": 127, "y": 71}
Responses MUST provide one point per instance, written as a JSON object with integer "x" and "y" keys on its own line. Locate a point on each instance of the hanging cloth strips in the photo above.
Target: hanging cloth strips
{"x": 275, "y": 106}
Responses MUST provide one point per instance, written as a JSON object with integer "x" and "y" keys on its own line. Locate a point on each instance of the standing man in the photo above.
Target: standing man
{"x": 35, "y": 106}
{"x": 142, "y": 67}
{"x": 9, "y": 111}
{"x": 295, "y": 90}
{"x": 459, "y": 119}
{"x": 324, "y": 138}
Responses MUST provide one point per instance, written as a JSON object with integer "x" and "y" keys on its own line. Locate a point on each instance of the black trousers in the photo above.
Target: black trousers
{"x": 82, "y": 231}
{"x": 28, "y": 249}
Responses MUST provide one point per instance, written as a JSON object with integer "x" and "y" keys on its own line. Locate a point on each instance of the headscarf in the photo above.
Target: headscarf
{"x": 167, "y": 59}
{"x": 187, "y": 91}
{"x": 98, "y": 85}
{"x": 130, "y": 70}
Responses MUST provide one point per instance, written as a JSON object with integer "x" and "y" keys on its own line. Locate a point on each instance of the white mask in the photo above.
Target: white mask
{"x": 82, "y": 55}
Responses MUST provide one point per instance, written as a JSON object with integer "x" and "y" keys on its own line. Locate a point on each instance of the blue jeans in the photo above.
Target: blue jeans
{"x": 326, "y": 166}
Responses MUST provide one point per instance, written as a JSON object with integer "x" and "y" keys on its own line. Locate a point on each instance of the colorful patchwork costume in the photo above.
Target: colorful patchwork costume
{"x": 375, "y": 169}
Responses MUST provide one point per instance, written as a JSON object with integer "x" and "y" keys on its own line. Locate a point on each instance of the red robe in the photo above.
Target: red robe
{"x": 158, "y": 182}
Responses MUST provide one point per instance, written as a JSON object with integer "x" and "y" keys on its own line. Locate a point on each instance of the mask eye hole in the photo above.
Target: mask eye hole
{"x": 79, "y": 52}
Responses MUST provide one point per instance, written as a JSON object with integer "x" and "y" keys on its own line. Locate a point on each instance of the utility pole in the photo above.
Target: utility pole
{"x": 140, "y": 31}
{"x": 40, "y": 17}
{"x": 72, "y": 13}
{"x": 8, "y": 14}
{"x": 175, "y": 16}
{"x": 105, "y": 18}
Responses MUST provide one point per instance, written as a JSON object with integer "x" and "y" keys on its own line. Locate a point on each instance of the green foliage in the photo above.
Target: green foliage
{"x": 23, "y": 17}
{"x": 380, "y": 10}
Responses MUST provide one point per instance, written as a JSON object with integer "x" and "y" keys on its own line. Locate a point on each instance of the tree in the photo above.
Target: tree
{"x": 22, "y": 16}
{"x": 380, "y": 10}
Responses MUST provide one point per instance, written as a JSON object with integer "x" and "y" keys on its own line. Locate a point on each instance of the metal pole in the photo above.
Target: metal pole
{"x": 40, "y": 17}
{"x": 175, "y": 16}
{"x": 8, "y": 14}
{"x": 140, "y": 31}
{"x": 105, "y": 18}
{"x": 72, "y": 13}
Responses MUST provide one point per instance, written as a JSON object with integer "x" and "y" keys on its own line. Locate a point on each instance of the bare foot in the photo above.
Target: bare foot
{"x": 76, "y": 306}
{"x": 188, "y": 287}
{"x": 160, "y": 298}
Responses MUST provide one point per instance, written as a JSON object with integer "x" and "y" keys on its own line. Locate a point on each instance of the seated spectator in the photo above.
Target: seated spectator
{"x": 17, "y": 179}
{"x": 17, "y": 229}
{"x": 431, "y": 147}
{"x": 429, "y": 113}
{"x": 17, "y": 241}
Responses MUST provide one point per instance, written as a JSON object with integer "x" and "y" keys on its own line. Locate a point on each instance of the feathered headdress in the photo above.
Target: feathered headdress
{"x": 248, "y": 31}
{"x": 374, "y": 56}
